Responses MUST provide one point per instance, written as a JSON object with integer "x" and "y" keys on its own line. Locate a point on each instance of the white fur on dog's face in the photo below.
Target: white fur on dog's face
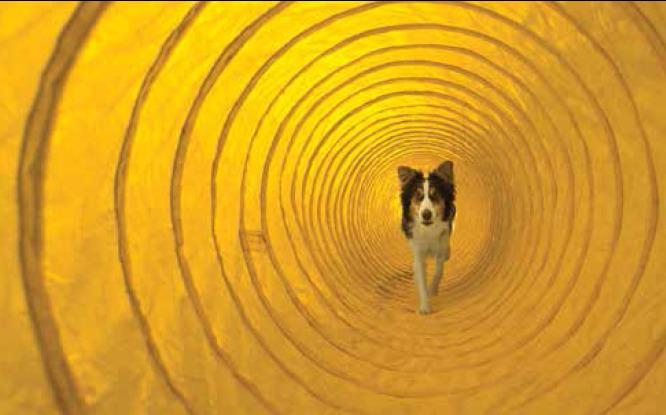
{"x": 426, "y": 199}
{"x": 427, "y": 204}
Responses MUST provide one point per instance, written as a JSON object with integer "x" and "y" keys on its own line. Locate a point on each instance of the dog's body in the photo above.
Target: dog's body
{"x": 428, "y": 212}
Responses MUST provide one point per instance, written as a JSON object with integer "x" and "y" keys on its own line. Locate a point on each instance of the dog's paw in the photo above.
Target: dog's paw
{"x": 425, "y": 309}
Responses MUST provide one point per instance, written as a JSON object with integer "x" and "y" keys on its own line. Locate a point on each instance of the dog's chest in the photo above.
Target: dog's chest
{"x": 430, "y": 239}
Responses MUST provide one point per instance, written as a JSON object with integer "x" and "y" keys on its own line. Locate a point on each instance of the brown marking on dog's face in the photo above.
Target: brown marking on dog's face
{"x": 417, "y": 199}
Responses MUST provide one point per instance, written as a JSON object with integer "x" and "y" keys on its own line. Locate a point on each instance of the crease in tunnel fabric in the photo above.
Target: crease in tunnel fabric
{"x": 201, "y": 211}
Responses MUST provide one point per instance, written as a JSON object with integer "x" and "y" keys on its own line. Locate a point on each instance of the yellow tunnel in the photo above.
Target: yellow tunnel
{"x": 199, "y": 207}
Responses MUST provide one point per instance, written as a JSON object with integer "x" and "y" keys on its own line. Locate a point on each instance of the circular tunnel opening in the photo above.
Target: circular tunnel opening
{"x": 207, "y": 211}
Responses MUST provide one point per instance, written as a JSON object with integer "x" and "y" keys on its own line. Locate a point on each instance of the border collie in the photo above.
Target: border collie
{"x": 428, "y": 211}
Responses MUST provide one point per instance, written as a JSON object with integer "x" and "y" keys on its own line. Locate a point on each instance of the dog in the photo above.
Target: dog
{"x": 428, "y": 213}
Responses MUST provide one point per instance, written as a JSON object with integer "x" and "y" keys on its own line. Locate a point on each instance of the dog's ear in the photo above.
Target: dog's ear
{"x": 405, "y": 174}
{"x": 445, "y": 171}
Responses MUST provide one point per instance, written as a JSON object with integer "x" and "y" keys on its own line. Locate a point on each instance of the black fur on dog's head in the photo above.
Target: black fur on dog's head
{"x": 411, "y": 180}
{"x": 442, "y": 194}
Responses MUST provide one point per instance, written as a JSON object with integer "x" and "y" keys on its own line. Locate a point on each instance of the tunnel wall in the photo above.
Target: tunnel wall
{"x": 200, "y": 209}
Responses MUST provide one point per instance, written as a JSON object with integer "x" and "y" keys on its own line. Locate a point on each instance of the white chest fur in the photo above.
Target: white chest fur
{"x": 431, "y": 240}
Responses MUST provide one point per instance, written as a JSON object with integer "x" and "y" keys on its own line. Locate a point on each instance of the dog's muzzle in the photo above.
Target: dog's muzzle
{"x": 426, "y": 217}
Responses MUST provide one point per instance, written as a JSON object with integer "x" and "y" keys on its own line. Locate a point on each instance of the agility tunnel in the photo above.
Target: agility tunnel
{"x": 199, "y": 207}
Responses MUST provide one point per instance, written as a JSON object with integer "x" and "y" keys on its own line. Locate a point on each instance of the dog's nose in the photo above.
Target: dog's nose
{"x": 426, "y": 215}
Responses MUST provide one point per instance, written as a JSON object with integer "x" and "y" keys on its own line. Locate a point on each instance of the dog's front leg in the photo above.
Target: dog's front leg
{"x": 420, "y": 282}
{"x": 439, "y": 271}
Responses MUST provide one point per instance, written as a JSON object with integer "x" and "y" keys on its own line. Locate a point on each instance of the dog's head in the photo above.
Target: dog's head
{"x": 426, "y": 200}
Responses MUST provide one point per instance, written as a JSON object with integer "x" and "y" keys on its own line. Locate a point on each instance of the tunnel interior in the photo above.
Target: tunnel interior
{"x": 202, "y": 211}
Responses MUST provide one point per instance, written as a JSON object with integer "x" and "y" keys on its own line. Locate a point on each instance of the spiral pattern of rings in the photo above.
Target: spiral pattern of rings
{"x": 200, "y": 209}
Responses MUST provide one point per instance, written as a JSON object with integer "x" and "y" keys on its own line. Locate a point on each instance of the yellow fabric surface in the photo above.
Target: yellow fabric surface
{"x": 200, "y": 209}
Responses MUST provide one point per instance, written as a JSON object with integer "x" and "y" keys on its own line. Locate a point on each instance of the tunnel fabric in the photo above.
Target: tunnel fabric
{"x": 201, "y": 215}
